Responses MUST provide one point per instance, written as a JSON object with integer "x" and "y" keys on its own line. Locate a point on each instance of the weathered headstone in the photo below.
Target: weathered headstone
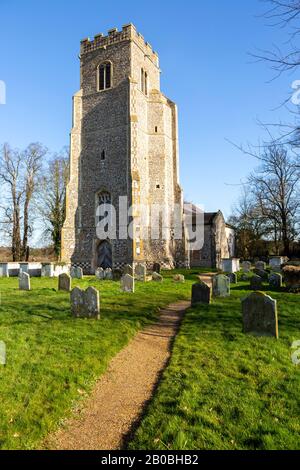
{"x": 157, "y": 277}
{"x": 233, "y": 279}
{"x": 221, "y": 286}
{"x": 92, "y": 303}
{"x": 24, "y": 268}
{"x": 76, "y": 272}
{"x": 47, "y": 270}
{"x": 77, "y": 302}
{"x": 157, "y": 268}
{"x": 108, "y": 274}
{"x": 128, "y": 270}
{"x": 246, "y": 266}
{"x": 179, "y": 278}
{"x": 256, "y": 283}
{"x": 24, "y": 281}
{"x": 201, "y": 294}
{"x": 275, "y": 280}
{"x": 64, "y": 282}
{"x": 85, "y": 304}
{"x": 4, "y": 270}
{"x": 99, "y": 274}
{"x": 260, "y": 265}
{"x": 276, "y": 262}
{"x": 140, "y": 272}
{"x": 127, "y": 283}
{"x": 263, "y": 274}
{"x": 260, "y": 315}
{"x": 117, "y": 274}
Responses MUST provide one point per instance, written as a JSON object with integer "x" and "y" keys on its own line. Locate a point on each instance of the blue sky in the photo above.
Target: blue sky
{"x": 203, "y": 46}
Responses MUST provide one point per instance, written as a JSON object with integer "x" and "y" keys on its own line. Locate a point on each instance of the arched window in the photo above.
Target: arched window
{"x": 103, "y": 199}
{"x": 144, "y": 81}
{"x": 104, "y": 76}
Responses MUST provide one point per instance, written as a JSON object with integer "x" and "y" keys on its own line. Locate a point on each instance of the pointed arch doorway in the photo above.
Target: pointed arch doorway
{"x": 104, "y": 255}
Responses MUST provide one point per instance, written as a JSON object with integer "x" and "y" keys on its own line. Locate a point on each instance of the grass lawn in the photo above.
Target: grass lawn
{"x": 53, "y": 360}
{"x": 224, "y": 389}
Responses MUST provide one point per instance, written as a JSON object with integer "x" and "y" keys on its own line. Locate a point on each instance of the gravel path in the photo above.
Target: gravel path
{"x": 122, "y": 393}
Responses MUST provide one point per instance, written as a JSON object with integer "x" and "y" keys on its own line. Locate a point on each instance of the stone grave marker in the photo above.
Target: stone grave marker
{"x": 260, "y": 315}
{"x": 140, "y": 272}
{"x": 128, "y": 270}
{"x": 260, "y": 265}
{"x": 127, "y": 283}
{"x": 24, "y": 281}
{"x": 221, "y": 286}
{"x": 64, "y": 282}
{"x": 157, "y": 268}
{"x": 233, "y": 279}
{"x": 201, "y": 294}
{"x": 157, "y": 277}
{"x": 99, "y": 274}
{"x": 275, "y": 280}
{"x": 256, "y": 283}
{"x": 246, "y": 266}
{"x": 179, "y": 278}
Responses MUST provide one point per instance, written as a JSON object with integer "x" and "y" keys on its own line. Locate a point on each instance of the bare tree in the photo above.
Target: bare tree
{"x": 275, "y": 186}
{"x": 53, "y": 198}
{"x": 19, "y": 173}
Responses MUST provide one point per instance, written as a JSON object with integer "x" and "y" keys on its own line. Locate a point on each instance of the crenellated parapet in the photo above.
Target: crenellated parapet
{"x": 128, "y": 33}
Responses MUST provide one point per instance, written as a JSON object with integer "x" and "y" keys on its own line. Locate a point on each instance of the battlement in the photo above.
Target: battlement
{"x": 128, "y": 33}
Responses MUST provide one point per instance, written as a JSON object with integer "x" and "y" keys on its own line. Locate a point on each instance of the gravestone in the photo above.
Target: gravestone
{"x": 99, "y": 274}
{"x": 260, "y": 265}
{"x": 85, "y": 304}
{"x": 77, "y": 302}
{"x": 245, "y": 277}
{"x": 108, "y": 274}
{"x": 157, "y": 277}
{"x": 64, "y": 282}
{"x": 127, "y": 283}
{"x": 179, "y": 278}
{"x": 128, "y": 270}
{"x": 260, "y": 315}
{"x": 276, "y": 262}
{"x": 256, "y": 283}
{"x": 263, "y": 274}
{"x": 156, "y": 268}
{"x": 246, "y": 266}
{"x": 47, "y": 270}
{"x": 117, "y": 274}
{"x": 231, "y": 265}
{"x": 140, "y": 272}
{"x": 233, "y": 279}
{"x": 201, "y": 294}
{"x": 92, "y": 303}
{"x": 275, "y": 280}
{"x": 76, "y": 272}
{"x": 24, "y": 281}
{"x": 24, "y": 267}
{"x": 221, "y": 286}
{"x": 4, "y": 270}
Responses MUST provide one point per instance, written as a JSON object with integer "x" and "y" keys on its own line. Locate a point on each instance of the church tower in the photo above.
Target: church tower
{"x": 124, "y": 142}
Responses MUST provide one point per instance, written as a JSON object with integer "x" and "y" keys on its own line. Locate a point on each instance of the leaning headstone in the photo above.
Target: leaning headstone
{"x": 157, "y": 277}
{"x": 275, "y": 280}
{"x": 201, "y": 294}
{"x": 64, "y": 282}
{"x": 108, "y": 274}
{"x": 92, "y": 303}
{"x": 260, "y": 315}
{"x": 179, "y": 278}
{"x": 140, "y": 272}
{"x": 99, "y": 274}
{"x": 246, "y": 266}
{"x": 77, "y": 302}
{"x": 4, "y": 270}
{"x": 261, "y": 265}
{"x": 221, "y": 286}
{"x": 24, "y": 281}
{"x": 233, "y": 279}
{"x": 127, "y": 283}
{"x": 128, "y": 270}
{"x": 157, "y": 268}
{"x": 256, "y": 283}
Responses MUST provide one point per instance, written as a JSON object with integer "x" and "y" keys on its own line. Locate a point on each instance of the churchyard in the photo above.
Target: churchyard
{"x": 228, "y": 385}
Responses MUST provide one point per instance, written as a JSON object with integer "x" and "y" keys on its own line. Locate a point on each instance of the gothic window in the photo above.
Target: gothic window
{"x": 144, "y": 81}
{"x": 104, "y": 198}
{"x": 104, "y": 76}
